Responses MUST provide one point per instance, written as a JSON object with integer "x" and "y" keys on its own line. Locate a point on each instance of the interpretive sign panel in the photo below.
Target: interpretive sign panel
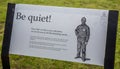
{"x": 62, "y": 33}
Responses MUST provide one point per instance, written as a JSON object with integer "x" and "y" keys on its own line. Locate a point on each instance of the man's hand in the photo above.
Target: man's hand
{"x": 86, "y": 43}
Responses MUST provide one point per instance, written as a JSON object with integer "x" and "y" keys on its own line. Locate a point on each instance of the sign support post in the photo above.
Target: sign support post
{"x": 7, "y": 36}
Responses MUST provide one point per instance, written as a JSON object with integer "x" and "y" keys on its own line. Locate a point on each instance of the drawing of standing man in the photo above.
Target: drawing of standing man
{"x": 82, "y": 32}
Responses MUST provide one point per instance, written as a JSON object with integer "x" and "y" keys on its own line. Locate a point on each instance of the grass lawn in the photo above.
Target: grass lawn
{"x": 25, "y": 62}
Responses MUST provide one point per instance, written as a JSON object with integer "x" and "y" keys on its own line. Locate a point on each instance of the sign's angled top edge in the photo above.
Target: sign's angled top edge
{"x": 61, "y": 7}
